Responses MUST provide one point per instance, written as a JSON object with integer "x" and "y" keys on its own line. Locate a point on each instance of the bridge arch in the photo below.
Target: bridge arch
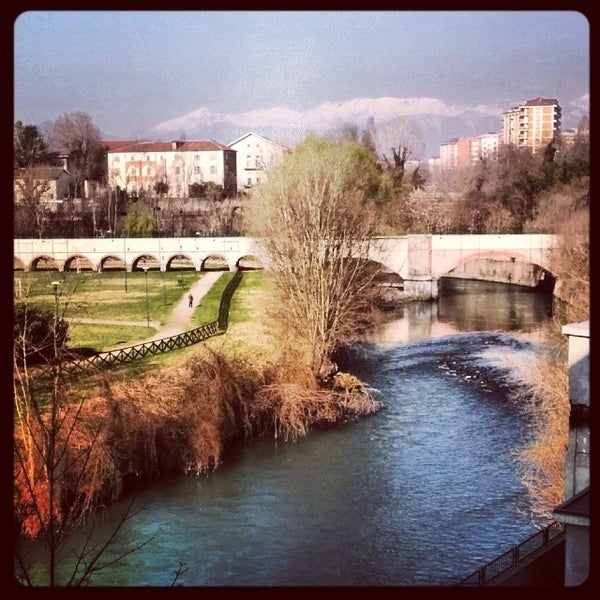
{"x": 180, "y": 262}
{"x": 78, "y": 262}
{"x": 249, "y": 262}
{"x": 111, "y": 262}
{"x": 215, "y": 262}
{"x": 45, "y": 262}
{"x": 502, "y": 266}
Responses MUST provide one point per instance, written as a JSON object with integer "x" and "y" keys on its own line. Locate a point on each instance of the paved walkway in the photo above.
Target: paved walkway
{"x": 180, "y": 317}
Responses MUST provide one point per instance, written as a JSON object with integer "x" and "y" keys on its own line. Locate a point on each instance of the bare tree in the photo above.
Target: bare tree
{"x": 318, "y": 224}
{"x": 76, "y": 134}
{"x": 61, "y": 467}
{"x": 29, "y": 191}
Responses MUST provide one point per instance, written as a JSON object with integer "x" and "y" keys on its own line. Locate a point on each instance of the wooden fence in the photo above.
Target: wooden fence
{"x": 173, "y": 342}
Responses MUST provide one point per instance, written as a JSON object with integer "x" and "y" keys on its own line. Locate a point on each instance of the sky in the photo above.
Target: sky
{"x": 151, "y": 73}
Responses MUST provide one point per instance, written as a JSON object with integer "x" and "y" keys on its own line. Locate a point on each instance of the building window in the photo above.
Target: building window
{"x": 249, "y": 182}
{"x": 213, "y": 169}
{"x": 197, "y": 170}
{"x": 176, "y": 170}
{"x": 148, "y": 157}
{"x": 116, "y": 159}
{"x": 197, "y": 157}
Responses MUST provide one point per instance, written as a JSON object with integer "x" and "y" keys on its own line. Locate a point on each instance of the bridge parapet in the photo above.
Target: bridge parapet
{"x": 420, "y": 260}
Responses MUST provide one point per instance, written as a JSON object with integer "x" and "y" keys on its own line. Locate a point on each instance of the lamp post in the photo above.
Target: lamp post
{"x": 56, "y": 290}
{"x": 147, "y": 305}
{"x": 125, "y": 259}
{"x": 55, "y": 287}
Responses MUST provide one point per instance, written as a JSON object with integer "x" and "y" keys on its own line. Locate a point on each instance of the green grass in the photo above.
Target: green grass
{"x": 104, "y": 337}
{"x": 246, "y": 317}
{"x": 208, "y": 310}
{"x": 106, "y": 296}
{"x": 90, "y": 295}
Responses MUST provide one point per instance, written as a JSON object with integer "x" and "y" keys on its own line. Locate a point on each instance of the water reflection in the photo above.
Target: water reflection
{"x": 465, "y": 306}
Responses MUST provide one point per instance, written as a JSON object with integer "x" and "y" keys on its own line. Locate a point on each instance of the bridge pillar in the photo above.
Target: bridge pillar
{"x": 421, "y": 288}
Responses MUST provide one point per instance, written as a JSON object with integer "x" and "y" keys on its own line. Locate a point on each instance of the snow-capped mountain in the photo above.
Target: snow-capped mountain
{"x": 421, "y": 124}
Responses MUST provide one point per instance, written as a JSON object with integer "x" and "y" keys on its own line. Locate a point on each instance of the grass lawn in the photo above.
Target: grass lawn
{"x": 90, "y": 295}
{"x": 105, "y": 296}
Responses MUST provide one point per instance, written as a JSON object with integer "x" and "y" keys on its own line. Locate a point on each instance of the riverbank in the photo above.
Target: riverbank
{"x": 180, "y": 418}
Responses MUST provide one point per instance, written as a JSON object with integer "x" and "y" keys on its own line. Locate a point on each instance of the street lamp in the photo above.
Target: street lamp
{"x": 147, "y": 306}
{"x": 55, "y": 287}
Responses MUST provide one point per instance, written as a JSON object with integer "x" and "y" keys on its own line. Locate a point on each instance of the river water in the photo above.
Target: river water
{"x": 421, "y": 494}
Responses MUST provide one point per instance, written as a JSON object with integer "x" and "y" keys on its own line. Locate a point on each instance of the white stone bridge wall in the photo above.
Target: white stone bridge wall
{"x": 420, "y": 260}
{"x": 131, "y": 250}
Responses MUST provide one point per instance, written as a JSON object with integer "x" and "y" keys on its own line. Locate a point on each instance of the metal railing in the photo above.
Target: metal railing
{"x": 514, "y": 556}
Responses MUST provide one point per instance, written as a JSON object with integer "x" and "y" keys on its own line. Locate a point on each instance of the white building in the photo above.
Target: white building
{"x": 139, "y": 166}
{"x": 256, "y": 154}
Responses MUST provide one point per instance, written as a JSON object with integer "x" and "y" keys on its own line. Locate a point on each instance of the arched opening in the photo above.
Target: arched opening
{"x": 214, "y": 262}
{"x": 145, "y": 262}
{"x": 250, "y": 263}
{"x": 78, "y": 264}
{"x": 44, "y": 263}
{"x": 112, "y": 263}
{"x": 180, "y": 262}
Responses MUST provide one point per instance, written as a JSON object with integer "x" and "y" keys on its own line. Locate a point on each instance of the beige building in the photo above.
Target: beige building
{"x": 533, "y": 124}
{"x": 256, "y": 154}
{"x": 139, "y": 166}
{"x": 51, "y": 185}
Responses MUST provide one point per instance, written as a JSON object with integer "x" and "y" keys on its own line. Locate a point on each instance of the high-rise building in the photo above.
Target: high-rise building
{"x": 533, "y": 124}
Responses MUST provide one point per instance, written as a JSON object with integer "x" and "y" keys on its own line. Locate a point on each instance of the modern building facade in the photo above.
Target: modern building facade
{"x": 533, "y": 124}
{"x": 138, "y": 166}
{"x": 462, "y": 152}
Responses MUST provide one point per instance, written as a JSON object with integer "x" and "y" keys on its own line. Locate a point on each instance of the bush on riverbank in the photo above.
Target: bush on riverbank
{"x": 179, "y": 420}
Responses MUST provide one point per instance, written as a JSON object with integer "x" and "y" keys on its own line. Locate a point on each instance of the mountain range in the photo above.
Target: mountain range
{"x": 421, "y": 124}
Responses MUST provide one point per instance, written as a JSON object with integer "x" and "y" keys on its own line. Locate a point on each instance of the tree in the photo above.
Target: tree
{"x": 30, "y": 188}
{"x": 36, "y": 334}
{"x": 29, "y": 148}
{"x": 62, "y": 470}
{"x": 316, "y": 215}
{"x": 161, "y": 188}
{"x": 76, "y": 134}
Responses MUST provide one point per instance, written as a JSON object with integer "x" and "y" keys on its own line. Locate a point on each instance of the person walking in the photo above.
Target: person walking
{"x": 190, "y": 300}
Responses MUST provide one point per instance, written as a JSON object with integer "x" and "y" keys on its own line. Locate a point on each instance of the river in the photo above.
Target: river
{"x": 420, "y": 494}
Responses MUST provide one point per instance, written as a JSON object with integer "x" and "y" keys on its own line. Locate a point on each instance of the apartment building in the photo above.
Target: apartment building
{"x": 462, "y": 152}
{"x": 533, "y": 124}
{"x": 138, "y": 166}
{"x": 256, "y": 154}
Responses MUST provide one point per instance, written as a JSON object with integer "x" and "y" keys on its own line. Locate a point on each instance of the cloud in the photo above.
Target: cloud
{"x": 326, "y": 115}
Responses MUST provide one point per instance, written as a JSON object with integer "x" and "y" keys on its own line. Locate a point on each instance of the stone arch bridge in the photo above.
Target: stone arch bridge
{"x": 417, "y": 262}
